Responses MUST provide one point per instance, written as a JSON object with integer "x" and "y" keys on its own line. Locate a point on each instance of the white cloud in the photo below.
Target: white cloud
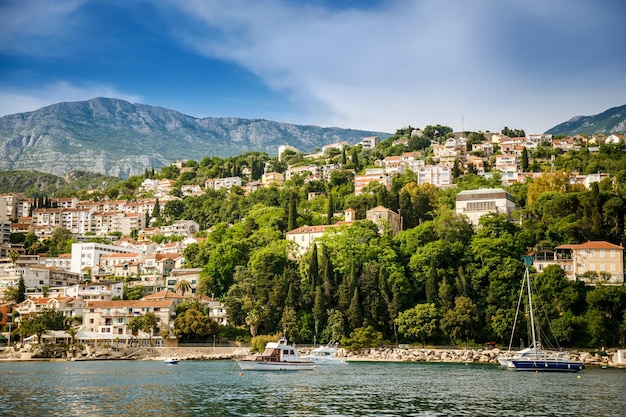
{"x": 25, "y": 101}
{"x": 405, "y": 62}
{"x": 23, "y": 21}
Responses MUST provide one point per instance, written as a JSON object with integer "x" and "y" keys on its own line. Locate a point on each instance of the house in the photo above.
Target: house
{"x": 437, "y": 175}
{"x": 219, "y": 183}
{"x": 369, "y": 142}
{"x": 589, "y": 261}
{"x": 40, "y": 276}
{"x": 97, "y": 291}
{"x": 371, "y": 175}
{"x": 476, "y": 203}
{"x": 386, "y": 219}
{"x": 110, "y": 319}
{"x": 272, "y": 178}
{"x": 191, "y": 275}
{"x": 70, "y": 307}
{"x": 181, "y": 228}
{"x": 304, "y": 236}
{"x": 88, "y": 254}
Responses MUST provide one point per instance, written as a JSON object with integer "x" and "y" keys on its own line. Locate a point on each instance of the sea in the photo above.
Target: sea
{"x": 220, "y": 388}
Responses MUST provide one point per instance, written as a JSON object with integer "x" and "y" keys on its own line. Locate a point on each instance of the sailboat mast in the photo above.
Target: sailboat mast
{"x": 532, "y": 314}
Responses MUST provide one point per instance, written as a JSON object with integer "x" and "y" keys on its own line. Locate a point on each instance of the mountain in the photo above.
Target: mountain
{"x": 115, "y": 137}
{"x": 608, "y": 122}
{"x": 37, "y": 184}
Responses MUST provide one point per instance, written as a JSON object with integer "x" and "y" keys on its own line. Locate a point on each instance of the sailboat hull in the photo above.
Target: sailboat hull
{"x": 548, "y": 365}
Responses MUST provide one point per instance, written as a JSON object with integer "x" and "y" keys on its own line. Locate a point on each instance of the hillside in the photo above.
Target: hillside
{"x": 36, "y": 184}
{"x": 114, "y": 137}
{"x": 608, "y": 122}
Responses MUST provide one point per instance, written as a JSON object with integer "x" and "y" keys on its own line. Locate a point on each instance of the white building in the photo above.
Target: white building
{"x": 476, "y": 203}
{"x": 437, "y": 175}
{"x": 87, "y": 255}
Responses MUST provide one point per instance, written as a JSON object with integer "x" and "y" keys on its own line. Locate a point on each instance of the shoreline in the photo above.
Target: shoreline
{"x": 427, "y": 355}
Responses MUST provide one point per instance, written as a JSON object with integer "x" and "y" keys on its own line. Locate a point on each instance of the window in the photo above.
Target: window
{"x": 602, "y": 253}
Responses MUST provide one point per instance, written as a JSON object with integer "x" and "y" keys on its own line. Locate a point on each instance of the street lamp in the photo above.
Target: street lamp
{"x": 213, "y": 341}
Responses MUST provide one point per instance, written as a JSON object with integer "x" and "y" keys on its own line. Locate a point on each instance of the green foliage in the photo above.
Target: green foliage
{"x": 362, "y": 338}
{"x": 257, "y": 344}
{"x": 419, "y": 323}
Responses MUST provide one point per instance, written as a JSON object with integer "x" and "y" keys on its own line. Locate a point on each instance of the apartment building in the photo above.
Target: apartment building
{"x": 476, "y": 203}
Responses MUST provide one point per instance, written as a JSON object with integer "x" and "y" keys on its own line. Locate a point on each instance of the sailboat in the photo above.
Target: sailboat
{"x": 535, "y": 350}
{"x": 536, "y": 359}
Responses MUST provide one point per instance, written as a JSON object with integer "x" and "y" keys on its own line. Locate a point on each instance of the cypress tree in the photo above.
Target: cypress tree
{"x": 156, "y": 211}
{"x": 524, "y": 162}
{"x": 329, "y": 209}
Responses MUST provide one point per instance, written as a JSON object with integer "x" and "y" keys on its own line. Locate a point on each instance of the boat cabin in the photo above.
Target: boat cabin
{"x": 278, "y": 352}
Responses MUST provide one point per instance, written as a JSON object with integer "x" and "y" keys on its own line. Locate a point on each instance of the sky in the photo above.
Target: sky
{"x": 379, "y": 65}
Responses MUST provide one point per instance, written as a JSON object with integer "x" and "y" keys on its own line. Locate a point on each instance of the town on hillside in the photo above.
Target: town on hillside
{"x": 127, "y": 270}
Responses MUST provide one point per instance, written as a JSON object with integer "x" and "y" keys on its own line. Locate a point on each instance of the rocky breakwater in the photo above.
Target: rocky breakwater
{"x": 422, "y": 355}
{"x": 486, "y": 356}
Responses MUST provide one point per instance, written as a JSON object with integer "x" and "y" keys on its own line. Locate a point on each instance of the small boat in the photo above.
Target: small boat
{"x": 278, "y": 356}
{"x": 171, "y": 361}
{"x": 325, "y": 355}
{"x": 536, "y": 359}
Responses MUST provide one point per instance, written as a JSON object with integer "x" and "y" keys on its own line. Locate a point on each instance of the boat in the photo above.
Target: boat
{"x": 278, "y": 356}
{"x": 325, "y": 355}
{"x": 536, "y": 359}
{"x": 171, "y": 361}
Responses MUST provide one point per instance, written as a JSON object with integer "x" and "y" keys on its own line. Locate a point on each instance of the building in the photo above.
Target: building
{"x": 111, "y": 318}
{"x": 88, "y": 255}
{"x": 191, "y": 275}
{"x": 437, "y": 175}
{"x": 369, "y": 142}
{"x": 181, "y": 228}
{"x": 40, "y": 276}
{"x": 476, "y": 203}
{"x": 304, "y": 236}
{"x": 386, "y": 219}
{"x": 371, "y": 175}
{"x": 219, "y": 183}
{"x": 272, "y": 178}
{"x": 591, "y": 261}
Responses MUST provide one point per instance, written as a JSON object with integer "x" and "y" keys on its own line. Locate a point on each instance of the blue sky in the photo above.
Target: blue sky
{"x": 363, "y": 64}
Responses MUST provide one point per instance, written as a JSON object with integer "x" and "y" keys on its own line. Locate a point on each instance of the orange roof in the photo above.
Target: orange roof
{"x": 311, "y": 229}
{"x": 591, "y": 245}
{"x": 162, "y": 295}
{"x": 128, "y": 304}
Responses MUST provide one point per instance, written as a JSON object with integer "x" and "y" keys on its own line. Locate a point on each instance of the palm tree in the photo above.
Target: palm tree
{"x": 252, "y": 320}
{"x": 183, "y": 286}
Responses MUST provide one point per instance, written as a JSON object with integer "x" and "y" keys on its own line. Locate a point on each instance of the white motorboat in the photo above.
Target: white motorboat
{"x": 278, "y": 356}
{"x": 171, "y": 361}
{"x": 325, "y": 355}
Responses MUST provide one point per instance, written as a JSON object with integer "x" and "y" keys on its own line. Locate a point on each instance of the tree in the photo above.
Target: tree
{"x": 330, "y": 210}
{"x": 420, "y": 322}
{"x": 457, "y": 323}
{"x": 193, "y": 324}
{"x": 183, "y": 286}
{"x": 524, "y": 161}
{"x": 252, "y": 321}
{"x": 156, "y": 211}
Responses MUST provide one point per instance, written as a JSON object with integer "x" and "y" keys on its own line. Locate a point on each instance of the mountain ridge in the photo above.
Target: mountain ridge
{"x": 115, "y": 137}
{"x": 609, "y": 121}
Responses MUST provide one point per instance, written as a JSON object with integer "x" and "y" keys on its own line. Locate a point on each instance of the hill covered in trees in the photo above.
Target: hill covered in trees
{"x": 438, "y": 281}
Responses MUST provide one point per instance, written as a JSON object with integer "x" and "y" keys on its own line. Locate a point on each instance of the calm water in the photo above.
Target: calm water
{"x": 151, "y": 388}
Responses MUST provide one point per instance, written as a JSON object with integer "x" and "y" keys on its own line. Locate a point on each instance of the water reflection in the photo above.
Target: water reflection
{"x": 365, "y": 389}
